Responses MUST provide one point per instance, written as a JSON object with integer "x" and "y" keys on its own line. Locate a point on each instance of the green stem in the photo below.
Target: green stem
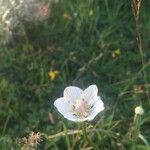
{"x": 136, "y": 130}
{"x": 107, "y": 8}
{"x": 67, "y": 137}
{"x": 86, "y": 137}
{"x": 6, "y": 123}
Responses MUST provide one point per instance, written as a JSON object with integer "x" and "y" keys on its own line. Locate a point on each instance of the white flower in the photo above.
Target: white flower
{"x": 139, "y": 110}
{"x": 78, "y": 105}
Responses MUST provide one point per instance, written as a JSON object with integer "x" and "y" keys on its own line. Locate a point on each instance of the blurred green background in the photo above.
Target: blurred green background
{"x": 85, "y": 42}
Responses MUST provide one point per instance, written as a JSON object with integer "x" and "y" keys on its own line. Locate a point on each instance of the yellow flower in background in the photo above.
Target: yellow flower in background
{"x": 116, "y": 53}
{"x": 91, "y": 12}
{"x": 52, "y": 74}
{"x": 67, "y": 16}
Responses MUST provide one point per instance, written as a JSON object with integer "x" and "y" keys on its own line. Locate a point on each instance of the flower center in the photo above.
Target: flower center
{"x": 81, "y": 108}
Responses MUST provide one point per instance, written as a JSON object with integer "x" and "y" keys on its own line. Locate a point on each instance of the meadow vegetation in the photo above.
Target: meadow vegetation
{"x": 80, "y": 43}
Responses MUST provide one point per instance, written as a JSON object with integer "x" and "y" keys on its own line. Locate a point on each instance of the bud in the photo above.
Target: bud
{"x": 139, "y": 110}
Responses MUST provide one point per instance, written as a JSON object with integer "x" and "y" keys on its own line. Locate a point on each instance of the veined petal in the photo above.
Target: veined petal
{"x": 72, "y": 93}
{"x": 62, "y": 105}
{"x": 72, "y": 117}
{"x": 90, "y": 94}
{"x": 98, "y": 106}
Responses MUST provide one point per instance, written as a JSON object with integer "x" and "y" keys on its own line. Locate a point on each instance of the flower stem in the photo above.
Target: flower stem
{"x": 137, "y": 123}
{"x": 86, "y": 137}
{"x": 67, "y": 137}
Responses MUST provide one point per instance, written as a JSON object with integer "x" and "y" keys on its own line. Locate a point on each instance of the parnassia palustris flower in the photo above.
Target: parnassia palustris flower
{"x": 80, "y": 105}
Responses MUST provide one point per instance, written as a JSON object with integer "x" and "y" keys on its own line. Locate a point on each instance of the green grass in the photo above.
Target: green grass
{"x": 81, "y": 49}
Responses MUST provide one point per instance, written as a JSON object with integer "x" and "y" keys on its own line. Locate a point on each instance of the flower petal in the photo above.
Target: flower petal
{"x": 98, "y": 106}
{"x": 90, "y": 94}
{"x": 72, "y": 93}
{"x": 62, "y": 105}
{"x": 72, "y": 117}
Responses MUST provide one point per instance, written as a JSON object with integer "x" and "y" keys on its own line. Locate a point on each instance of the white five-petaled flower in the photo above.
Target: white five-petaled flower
{"x": 80, "y": 105}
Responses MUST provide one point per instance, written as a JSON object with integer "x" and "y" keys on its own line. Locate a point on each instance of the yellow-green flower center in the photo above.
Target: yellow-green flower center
{"x": 81, "y": 108}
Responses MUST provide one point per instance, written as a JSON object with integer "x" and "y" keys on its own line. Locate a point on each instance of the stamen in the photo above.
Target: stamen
{"x": 81, "y": 108}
